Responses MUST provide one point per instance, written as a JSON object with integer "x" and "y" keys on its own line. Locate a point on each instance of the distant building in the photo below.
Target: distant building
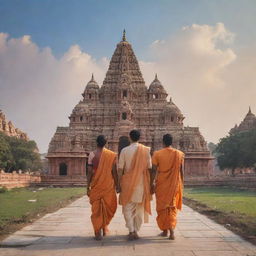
{"x": 247, "y": 124}
{"x": 121, "y": 104}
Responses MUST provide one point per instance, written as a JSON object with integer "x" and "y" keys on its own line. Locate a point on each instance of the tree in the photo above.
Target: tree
{"x": 248, "y": 148}
{"x": 18, "y": 154}
{"x": 6, "y": 159}
{"x": 237, "y": 151}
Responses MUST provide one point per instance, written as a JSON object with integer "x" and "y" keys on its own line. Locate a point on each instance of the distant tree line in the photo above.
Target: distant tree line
{"x": 236, "y": 151}
{"x": 18, "y": 154}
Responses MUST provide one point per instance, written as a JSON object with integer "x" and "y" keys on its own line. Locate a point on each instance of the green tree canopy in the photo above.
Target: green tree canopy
{"x": 237, "y": 151}
{"x": 18, "y": 154}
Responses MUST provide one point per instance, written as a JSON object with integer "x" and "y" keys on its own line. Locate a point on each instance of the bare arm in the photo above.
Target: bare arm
{"x": 120, "y": 170}
{"x": 182, "y": 173}
{"x": 152, "y": 178}
{"x": 153, "y": 172}
{"x": 115, "y": 176}
{"x": 89, "y": 178}
{"x": 120, "y": 173}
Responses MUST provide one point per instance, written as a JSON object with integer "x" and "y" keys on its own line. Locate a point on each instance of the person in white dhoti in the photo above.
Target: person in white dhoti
{"x": 134, "y": 176}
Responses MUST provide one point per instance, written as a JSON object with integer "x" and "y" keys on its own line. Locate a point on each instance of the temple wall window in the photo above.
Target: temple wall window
{"x": 124, "y": 115}
{"x": 125, "y": 94}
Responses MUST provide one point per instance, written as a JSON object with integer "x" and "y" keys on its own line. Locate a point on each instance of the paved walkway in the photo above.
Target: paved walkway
{"x": 68, "y": 232}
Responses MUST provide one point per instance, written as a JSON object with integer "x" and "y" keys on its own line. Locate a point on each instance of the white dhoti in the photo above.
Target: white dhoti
{"x": 133, "y": 215}
{"x": 134, "y": 210}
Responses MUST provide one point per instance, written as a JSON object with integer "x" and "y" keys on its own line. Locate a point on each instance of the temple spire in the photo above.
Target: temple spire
{"x": 156, "y": 77}
{"x": 92, "y": 79}
{"x": 124, "y": 36}
{"x": 249, "y": 110}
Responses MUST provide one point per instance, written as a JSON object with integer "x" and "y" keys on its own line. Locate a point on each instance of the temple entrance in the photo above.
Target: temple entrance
{"x": 123, "y": 142}
{"x": 63, "y": 169}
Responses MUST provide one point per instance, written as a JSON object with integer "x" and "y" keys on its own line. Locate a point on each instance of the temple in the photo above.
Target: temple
{"x": 9, "y": 129}
{"x": 121, "y": 104}
{"x": 247, "y": 124}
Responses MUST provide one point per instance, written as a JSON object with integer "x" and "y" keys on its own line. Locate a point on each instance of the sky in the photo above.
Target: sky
{"x": 203, "y": 51}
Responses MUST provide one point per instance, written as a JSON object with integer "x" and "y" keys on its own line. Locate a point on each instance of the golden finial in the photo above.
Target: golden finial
{"x": 124, "y": 36}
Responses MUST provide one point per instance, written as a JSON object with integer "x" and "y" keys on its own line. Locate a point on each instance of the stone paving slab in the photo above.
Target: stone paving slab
{"x": 69, "y": 232}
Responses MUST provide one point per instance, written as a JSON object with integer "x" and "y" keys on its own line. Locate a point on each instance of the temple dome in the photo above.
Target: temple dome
{"x": 172, "y": 108}
{"x": 250, "y": 116}
{"x": 81, "y": 108}
{"x": 92, "y": 84}
{"x": 156, "y": 86}
{"x": 247, "y": 124}
{"x": 91, "y": 90}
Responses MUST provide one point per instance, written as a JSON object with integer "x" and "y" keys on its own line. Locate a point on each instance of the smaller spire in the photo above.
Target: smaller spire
{"x": 156, "y": 77}
{"x": 124, "y": 36}
{"x": 249, "y": 110}
{"x": 92, "y": 79}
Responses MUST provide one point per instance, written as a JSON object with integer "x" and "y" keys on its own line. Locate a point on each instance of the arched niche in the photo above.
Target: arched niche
{"x": 63, "y": 169}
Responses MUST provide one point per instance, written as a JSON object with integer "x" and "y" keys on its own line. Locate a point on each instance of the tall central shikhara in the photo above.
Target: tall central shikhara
{"x": 122, "y": 103}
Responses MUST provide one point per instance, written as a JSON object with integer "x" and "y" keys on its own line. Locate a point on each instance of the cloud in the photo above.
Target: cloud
{"x": 211, "y": 82}
{"x": 37, "y": 90}
{"x": 193, "y": 53}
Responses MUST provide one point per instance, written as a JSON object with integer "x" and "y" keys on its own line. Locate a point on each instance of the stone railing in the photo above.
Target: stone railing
{"x": 18, "y": 179}
{"x": 244, "y": 181}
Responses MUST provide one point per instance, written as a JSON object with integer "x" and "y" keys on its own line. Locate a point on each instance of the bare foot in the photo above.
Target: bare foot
{"x": 131, "y": 236}
{"x": 164, "y": 233}
{"x": 106, "y": 231}
{"x": 98, "y": 236}
{"x": 171, "y": 237}
{"x": 136, "y": 236}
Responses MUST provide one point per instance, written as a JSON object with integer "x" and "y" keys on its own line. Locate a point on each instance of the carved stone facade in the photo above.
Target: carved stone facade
{"x": 122, "y": 103}
{"x": 9, "y": 129}
{"x": 247, "y": 124}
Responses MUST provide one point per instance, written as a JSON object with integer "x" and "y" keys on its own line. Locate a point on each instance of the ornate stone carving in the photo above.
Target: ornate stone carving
{"x": 122, "y": 103}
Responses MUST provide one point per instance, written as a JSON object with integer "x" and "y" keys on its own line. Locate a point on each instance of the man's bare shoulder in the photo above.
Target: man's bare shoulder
{"x": 179, "y": 151}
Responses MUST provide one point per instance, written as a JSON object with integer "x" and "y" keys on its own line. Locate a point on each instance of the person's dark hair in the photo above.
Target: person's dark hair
{"x": 123, "y": 142}
{"x": 167, "y": 140}
{"x": 134, "y": 135}
{"x": 101, "y": 141}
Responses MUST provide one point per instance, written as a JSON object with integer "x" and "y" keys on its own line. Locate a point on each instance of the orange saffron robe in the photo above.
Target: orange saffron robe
{"x": 102, "y": 195}
{"x": 130, "y": 180}
{"x": 169, "y": 187}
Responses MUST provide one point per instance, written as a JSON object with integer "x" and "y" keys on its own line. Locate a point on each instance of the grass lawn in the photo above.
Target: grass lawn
{"x": 15, "y": 209}
{"x": 232, "y": 207}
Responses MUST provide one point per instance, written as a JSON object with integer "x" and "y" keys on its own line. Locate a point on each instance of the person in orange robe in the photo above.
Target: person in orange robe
{"x": 133, "y": 171}
{"x": 168, "y": 167}
{"x": 101, "y": 183}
